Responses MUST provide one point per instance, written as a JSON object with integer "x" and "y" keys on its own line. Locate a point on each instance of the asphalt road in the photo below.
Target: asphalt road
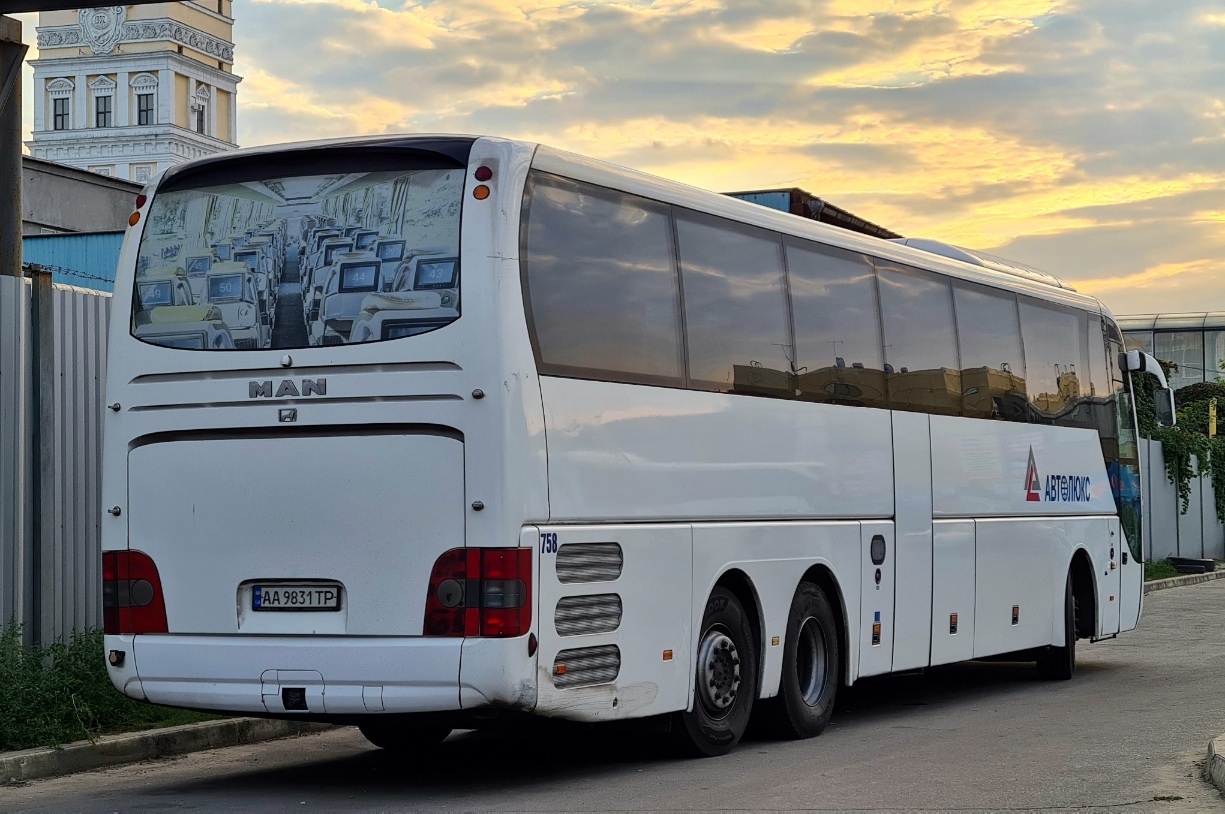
{"x": 1129, "y": 731}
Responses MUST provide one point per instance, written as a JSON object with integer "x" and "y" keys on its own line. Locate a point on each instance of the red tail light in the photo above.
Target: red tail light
{"x": 480, "y": 592}
{"x": 132, "y": 600}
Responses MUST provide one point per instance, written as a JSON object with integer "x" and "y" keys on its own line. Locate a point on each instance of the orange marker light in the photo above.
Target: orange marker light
{"x": 667, "y": 655}
{"x": 559, "y": 670}
{"x": 480, "y": 192}
{"x": 135, "y": 219}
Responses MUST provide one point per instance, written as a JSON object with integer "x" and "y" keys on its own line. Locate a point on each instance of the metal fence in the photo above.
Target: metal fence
{"x": 1168, "y": 532}
{"x": 52, "y": 388}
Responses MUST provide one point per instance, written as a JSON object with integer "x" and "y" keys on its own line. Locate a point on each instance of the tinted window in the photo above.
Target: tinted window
{"x": 992, "y": 361}
{"x": 600, "y": 283}
{"x": 1057, "y": 362}
{"x": 1099, "y": 372}
{"x": 837, "y": 325}
{"x": 1101, "y": 395}
{"x": 921, "y": 366}
{"x": 736, "y": 319}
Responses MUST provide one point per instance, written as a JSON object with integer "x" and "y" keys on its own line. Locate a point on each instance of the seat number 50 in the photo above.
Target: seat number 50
{"x": 548, "y": 542}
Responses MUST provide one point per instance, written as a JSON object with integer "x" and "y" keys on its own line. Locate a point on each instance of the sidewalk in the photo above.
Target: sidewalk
{"x": 114, "y": 750}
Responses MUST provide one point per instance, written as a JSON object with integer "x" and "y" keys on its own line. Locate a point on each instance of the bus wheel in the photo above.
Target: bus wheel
{"x": 726, "y": 680}
{"x": 399, "y": 736}
{"x": 1058, "y": 663}
{"x": 812, "y": 668}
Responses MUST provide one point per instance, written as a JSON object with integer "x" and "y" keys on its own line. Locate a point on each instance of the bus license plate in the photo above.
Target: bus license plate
{"x": 295, "y": 598}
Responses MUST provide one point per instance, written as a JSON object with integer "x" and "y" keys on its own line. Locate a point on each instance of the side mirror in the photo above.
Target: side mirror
{"x": 1163, "y": 403}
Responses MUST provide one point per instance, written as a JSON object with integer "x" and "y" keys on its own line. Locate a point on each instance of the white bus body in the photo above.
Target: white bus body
{"x": 283, "y": 515}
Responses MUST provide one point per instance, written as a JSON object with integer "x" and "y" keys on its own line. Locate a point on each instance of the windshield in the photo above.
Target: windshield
{"x": 298, "y": 233}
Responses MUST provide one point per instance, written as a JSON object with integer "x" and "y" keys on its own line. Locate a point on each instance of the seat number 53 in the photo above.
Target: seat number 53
{"x": 548, "y": 542}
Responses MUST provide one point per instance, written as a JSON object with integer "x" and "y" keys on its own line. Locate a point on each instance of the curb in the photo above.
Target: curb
{"x": 1178, "y": 582}
{"x": 114, "y": 750}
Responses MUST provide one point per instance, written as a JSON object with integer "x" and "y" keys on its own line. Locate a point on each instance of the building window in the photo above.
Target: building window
{"x": 200, "y": 128}
{"x": 144, "y": 108}
{"x": 59, "y": 114}
{"x": 102, "y": 111}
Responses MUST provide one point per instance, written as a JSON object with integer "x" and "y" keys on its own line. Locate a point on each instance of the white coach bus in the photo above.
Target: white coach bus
{"x": 592, "y": 445}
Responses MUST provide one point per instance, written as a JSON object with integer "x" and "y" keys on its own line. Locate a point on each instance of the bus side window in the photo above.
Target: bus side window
{"x": 736, "y": 322}
{"x": 992, "y": 361}
{"x": 838, "y": 353}
{"x": 922, "y": 371}
{"x": 1057, "y": 363}
{"x": 600, "y": 284}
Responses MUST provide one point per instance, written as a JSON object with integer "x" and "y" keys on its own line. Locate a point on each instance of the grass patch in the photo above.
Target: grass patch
{"x": 61, "y": 693}
{"x": 1161, "y": 569}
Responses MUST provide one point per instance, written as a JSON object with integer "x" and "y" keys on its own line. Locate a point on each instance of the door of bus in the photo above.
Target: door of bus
{"x": 1109, "y": 583}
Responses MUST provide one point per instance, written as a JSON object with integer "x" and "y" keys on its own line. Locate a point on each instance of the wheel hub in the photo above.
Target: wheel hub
{"x": 810, "y": 661}
{"x": 718, "y": 671}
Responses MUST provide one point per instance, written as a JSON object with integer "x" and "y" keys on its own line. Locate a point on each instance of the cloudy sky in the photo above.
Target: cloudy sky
{"x": 1084, "y": 137}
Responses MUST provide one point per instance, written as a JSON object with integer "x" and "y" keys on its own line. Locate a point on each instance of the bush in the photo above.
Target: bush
{"x": 62, "y": 693}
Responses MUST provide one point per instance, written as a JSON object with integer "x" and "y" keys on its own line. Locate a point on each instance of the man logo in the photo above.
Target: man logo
{"x": 1032, "y": 487}
{"x": 310, "y": 387}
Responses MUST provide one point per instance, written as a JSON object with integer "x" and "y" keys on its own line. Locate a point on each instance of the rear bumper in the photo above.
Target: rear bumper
{"x": 340, "y": 676}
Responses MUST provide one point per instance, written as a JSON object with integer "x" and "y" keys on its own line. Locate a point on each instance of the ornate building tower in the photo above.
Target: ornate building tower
{"x": 128, "y": 91}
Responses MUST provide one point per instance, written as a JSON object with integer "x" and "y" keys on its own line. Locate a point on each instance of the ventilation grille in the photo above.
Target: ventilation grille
{"x": 577, "y": 615}
{"x": 586, "y": 666}
{"x": 589, "y": 562}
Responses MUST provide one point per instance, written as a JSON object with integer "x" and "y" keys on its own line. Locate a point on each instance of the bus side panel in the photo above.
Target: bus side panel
{"x": 645, "y": 649}
{"x": 1015, "y": 567}
{"x": 631, "y": 452}
{"x": 1024, "y": 563}
{"x": 983, "y": 469}
{"x": 952, "y": 591}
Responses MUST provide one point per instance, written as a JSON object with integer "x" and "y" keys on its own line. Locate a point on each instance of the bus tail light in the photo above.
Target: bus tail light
{"x": 480, "y": 592}
{"x": 132, "y": 600}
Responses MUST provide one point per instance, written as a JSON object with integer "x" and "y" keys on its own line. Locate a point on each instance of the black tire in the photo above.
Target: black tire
{"x": 726, "y": 686}
{"x": 812, "y": 668}
{"x": 406, "y": 738}
{"x": 1059, "y": 663}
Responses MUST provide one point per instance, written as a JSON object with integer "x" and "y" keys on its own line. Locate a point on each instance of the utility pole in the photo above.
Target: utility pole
{"x": 12, "y": 56}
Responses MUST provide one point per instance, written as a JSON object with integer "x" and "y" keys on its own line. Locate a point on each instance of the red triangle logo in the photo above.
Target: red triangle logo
{"x": 1032, "y": 489}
